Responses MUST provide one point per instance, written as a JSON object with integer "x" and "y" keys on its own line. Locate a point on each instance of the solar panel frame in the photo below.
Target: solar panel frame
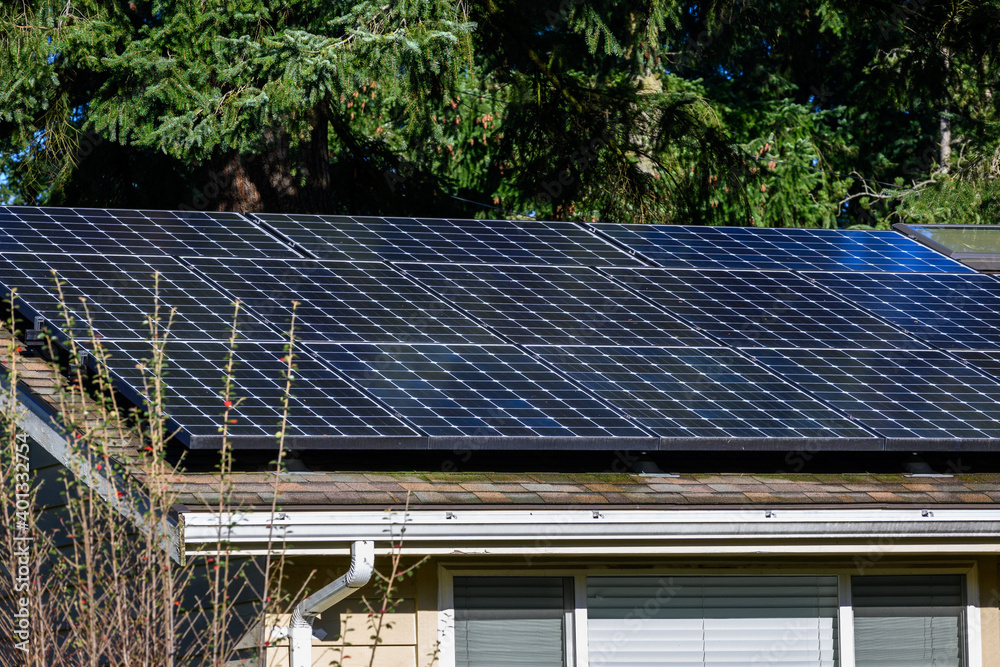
{"x": 342, "y": 301}
{"x": 121, "y": 294}
{"x": 483, "y": 396}
{"x": 549, "y": 305}
{"x": 134, "y": 232}
{"x": 743, "y": 308}
{"x": 692, "y": 396}
{"x": 916, "y": 399}
{"x": 325, "y": 410}
{"x": 946, "y": 311}
{"x": 437, "y": 240}
{"x": 768, "y": 248}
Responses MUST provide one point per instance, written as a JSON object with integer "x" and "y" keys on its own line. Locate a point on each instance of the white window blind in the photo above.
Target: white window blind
{"x": 510, "y": 621}
{"x": 712, "y": 621}
{"x": 908, "y": 621}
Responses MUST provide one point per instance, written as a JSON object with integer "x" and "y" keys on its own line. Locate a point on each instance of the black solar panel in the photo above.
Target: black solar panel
{"x": 554, "y": 305}
{"x": 341, "y": 301}
{"x": 475, "y": 391}
{"x": 900, "y": 394}
{"x": 771, "y": 248}
{"x": 685, "y": 393}
{"x": 461, "y": 241}
{"x": 126, "y": 232}
{"x": 323, "y": 409}
{"x": 120, "y": 295}
{"x": 988, "y": 362}
{"x": 946, "y": 311}
{"x": 762, "y": 309}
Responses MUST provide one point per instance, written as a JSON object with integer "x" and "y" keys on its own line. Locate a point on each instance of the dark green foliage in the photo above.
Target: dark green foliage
{"x": 788, "y": 112}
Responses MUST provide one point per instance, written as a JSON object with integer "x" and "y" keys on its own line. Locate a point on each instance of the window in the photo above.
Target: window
{"x": 903, "y": 621}
{"x": 710, "y": 620}
{"x": 503, "y": 621}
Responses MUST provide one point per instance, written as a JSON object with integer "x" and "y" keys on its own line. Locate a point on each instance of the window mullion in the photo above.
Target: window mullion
{"x": 581, "y": 648}
{"x": 845, "y": 623}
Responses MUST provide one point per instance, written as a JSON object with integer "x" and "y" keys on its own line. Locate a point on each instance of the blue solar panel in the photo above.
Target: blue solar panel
{"x": 479, "y": 391}
{"x": 786, "y": 249}
{"x": 554, "y": 305}
{"x": 324, "y": 410}
{"x": 119, "y": 295}
{"x": 126, "y": 232}
{"x": 689, "y": 393}
{"x": 762, "y": 309}
{"x": 904, "y": 395}
{"x": 341, "y": 301}
{"x": 946, "y": 311}
{"x": 436, "y": 240}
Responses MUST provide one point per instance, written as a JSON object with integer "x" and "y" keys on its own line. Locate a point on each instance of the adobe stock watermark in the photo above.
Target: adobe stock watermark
{"x": 20, "y": 568}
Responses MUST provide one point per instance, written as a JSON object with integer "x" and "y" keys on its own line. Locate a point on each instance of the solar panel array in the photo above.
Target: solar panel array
{"x": 341, "y": 301}
{"x": 127, "y": 232}
{"x": 786, "y": 249}
{"x": 950, "y": 312}
{"x": 438, "y": 240}
{"x": 520, "y": 335}
{"x": 117, "y": 296}
{"x": 904, "y": 395}
{"x": 763, "y": 308}
{"x": 554, "y": 305}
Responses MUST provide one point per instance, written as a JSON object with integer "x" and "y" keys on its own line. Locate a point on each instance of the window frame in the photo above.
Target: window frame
{"x": 577, "y": 648}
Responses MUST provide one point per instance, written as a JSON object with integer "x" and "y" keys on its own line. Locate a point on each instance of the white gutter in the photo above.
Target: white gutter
{"x": 300, "y": 630}
{"x": 579, "y": 531}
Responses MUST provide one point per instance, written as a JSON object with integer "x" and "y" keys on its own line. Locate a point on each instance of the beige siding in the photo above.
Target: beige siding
{"x": 989, "y": 599}
{"x": 408, "y": 634}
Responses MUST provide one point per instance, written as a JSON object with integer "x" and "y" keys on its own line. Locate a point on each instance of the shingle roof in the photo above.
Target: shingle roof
{"x": 505, "y": 489}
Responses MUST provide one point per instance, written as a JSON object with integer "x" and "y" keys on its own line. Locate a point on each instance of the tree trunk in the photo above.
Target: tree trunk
{"x": 944, "y": 119}
{"x": 278, "y": 179}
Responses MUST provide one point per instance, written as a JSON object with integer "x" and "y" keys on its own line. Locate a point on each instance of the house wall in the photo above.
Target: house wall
{"x": 410, "y": 637}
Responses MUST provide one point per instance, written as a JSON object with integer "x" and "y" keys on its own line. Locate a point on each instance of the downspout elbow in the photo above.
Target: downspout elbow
{"x": 305, "y": 613}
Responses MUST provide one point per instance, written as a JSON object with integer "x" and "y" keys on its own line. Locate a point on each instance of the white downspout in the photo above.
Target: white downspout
{"x": 300, "y": 629}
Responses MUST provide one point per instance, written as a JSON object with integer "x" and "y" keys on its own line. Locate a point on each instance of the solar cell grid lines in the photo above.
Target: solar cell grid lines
{"x": 904, "y": 395}
{"x": 120, "y": 294}
{"x": 323, "y": 405}
{"x": 130, "y": 232}
{"x": 985, "y": 361}
{"x": 773, "y": 248}
{"x": 342, "y": 301}
{"x": 699, "y": 393}
{"x": 466, "y": 391}
{"x": 945, "y": 311}
{"x": 438, "y": 240}
{"x": 554, "y": 305}
{"x": 762, "y": 309}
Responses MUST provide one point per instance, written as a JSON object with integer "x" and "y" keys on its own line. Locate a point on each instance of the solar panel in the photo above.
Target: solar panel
{"x": 905, "y": 395}
{"x": 762, "y": 309}
{"x": 686, "y": 393}
{"x": 126, "y": 232}
{"x": 435, "y": 240}
{"x": 554, "y": 305}
{"x": 479, "y": 391}
{"x": 324, "y": 409}
{"x": 988, "y": 362}
{"x": 770, "y": 248}
{"x": 120, "y": 294}
{"x": 946, "y": 311}
{"x": 341, "y": 301}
